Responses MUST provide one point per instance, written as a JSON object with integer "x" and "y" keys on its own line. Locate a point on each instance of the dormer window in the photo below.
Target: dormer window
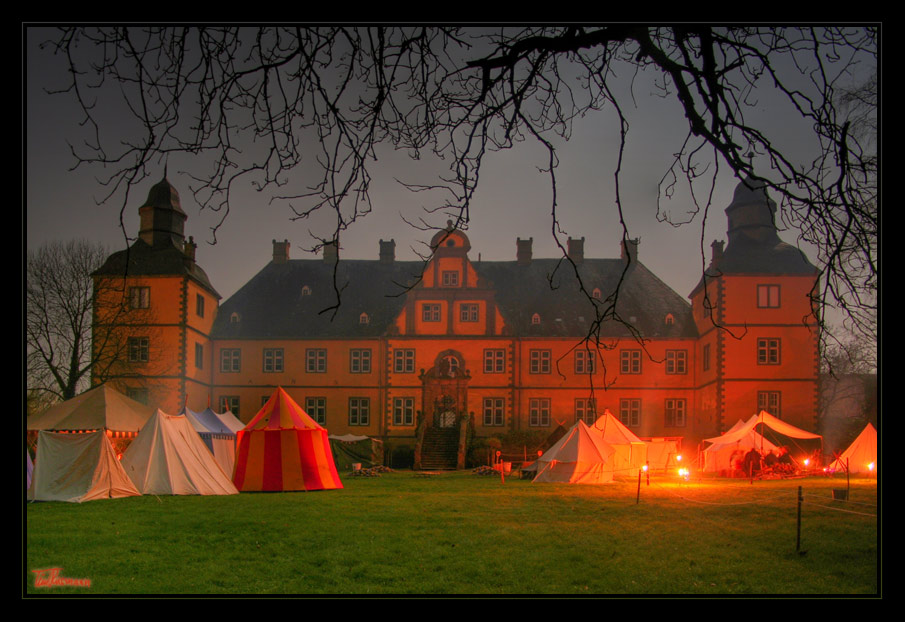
{"x": 235, "y": 318}
{"x": 364, "y": 318}
{"x": 306, "y": 291}
{"x": 670, "y": 319}
{"x": 596, "y": 293}
{"x": 535, "y": 319}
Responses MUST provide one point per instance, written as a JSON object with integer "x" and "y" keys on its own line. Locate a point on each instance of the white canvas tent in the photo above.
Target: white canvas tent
{"x": 100, "y": 408}
{"x": 77, "y": 467}
{"x": 579, "y": 457}
{"x": 169, "y": 458}
{"x": 861, "y": 455}
{"x": 631, "y": 451}
{"x": 662, "y": 453}
{"x": 718, "y": 455}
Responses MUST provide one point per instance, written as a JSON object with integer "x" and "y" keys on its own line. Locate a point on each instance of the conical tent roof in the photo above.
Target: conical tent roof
{"x": 169, "y": 458}
{"x": 282, "y": 448}
{"x": 100, "y": 408}
{"x": 861, "y": 454}
{"x": 613, "y": 430}
{"x": 77, "y": 467}
{"x": 631, "y": 451}
{"x": 230, "y": 421}
{"x": 579, "y": 457}
{"x": 208, "y": 421}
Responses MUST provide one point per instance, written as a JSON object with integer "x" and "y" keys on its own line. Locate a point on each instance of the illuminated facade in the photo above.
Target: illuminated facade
{"x": 485, "y": 339}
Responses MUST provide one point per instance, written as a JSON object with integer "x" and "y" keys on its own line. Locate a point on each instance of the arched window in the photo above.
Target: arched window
{"x": 364, "y": 318}
{"x": 596, "y": 293}
{"x": 235, "y": 318}
{"x": 306, "y": 291}
{"x": 670, "y": 320}
{"x": 535, "y": 319}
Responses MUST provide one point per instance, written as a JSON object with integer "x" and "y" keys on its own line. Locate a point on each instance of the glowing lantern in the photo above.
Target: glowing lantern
{"x": 870, "y": 467}
{"x": 644, "y": 468}
{"x": 807, "y": 461}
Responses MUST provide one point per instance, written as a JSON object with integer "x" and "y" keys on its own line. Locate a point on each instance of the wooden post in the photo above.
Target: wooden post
{"x": 638, "y": 496}
{"x": 798, "y": 535}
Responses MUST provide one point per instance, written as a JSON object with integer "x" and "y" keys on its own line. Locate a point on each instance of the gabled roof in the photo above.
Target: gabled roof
{"x": 292, "y": 299}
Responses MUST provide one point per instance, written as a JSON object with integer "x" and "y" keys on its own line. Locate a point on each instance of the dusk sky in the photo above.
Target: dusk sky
{"x": 513, "y": 200}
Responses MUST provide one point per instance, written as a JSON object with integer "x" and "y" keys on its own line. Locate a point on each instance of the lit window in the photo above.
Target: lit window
{"x": 676, "y": 361}
{"x": 139, "y": 297}
{"x": 768, "y": 351}
{"x": 494, "y": 412}
{"x": 768, "y": 296}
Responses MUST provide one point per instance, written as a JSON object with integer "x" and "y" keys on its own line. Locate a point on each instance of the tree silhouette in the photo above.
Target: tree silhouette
{"x": 260, "y": 104}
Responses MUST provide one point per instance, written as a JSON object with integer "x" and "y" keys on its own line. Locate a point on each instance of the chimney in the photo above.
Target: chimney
{"x": 280, "y": 251}
{"x": 188, "y": 251}
{"x": 576, "y": 249}
{"x": 630, "y": 249}
{"x": 387, "y": 251}
{"x": 331, "y": 251}
{"x": 717, "y": 252}
{"x": 523, "y": 251}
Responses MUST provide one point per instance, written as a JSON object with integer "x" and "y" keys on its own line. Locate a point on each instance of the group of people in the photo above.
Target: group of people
{"x": 754, "y": 464}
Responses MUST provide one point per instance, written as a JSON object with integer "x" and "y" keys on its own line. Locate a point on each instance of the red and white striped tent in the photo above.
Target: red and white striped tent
{"x": 282, "y": 449}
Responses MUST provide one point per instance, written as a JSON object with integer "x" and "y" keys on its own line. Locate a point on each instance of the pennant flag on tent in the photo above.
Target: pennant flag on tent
{"x": 283, "y": 448}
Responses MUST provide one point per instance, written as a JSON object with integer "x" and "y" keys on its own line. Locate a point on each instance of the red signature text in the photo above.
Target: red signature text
{"x": 51, "y": 577}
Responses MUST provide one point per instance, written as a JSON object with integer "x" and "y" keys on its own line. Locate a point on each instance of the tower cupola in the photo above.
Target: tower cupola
{"x": 162, "y": 220}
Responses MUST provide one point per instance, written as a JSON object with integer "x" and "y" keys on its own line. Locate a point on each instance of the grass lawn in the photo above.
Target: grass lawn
{"x": 460, "y": 533}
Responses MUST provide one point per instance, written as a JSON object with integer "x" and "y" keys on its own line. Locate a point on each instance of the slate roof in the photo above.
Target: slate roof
{"x": 141, "y": 259}
{"x": 272, "y": 305}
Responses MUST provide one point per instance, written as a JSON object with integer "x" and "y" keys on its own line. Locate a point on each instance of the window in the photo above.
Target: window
{"x": 768, "y": 296}
{"x": 539, "y": 411}
{"x": 359, "y": 411}
{"x": 138, "y": 349}
{"x": 676, "y": 361}
{"x": 139, "y": 395}
{"x": 235, "y": 318}
{"x": 494, "y": 413}
{"x": 404, "y": 361}
{"x": 675, "y": 413}
{"x": 430, "y": 312}
{"x": 199, "y": 305}
{"x": 306, "y": 291}
{"x": 403, "y": 411}
{"x": 199, "y": 356}
{"x": 494, "y": 361}
{"x": 139, "y": 297}
{"x": 450, "y": 278}
{"x": 229, "y": 403}
{"x": 768, "y": 351}
{"x": 771, "y": 401}
{"x": 316, "y": 407}
{"x": 630, "y": 412}
{"x": 273, "y": 360}
{"x": 670, "y": 319}
{"x": 468, "y": 312}
{"x": 364, "y": 318}
{"x": 630, "y": 361}
{"x": 264, "y": 400}
{"x": 705, "y": 358}
{"x": 316, "y": 361}
{"x": 359, "y": 361}
{"x": 230, "y": 360}
{"x": 596, "y": 293}
{"x": 449, "y": 365}
{"x": 535, "y": 319}
{"x": 539, "y": 361}
{"x": 586, "y": 410}
{"x": 585, "y": 362}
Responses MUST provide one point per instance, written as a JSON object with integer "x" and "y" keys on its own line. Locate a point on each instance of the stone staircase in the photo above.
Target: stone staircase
{"x": 440, "y": 449}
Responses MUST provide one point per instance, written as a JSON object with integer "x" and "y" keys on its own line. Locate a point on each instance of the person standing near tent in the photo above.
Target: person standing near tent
{"x": 752, "y": 462}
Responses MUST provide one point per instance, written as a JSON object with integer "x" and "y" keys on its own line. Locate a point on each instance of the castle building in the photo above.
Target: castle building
{"x": 504, "y": 344}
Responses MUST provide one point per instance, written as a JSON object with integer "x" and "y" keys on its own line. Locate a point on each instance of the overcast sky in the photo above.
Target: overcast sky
{"x": 514, "y": 198}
